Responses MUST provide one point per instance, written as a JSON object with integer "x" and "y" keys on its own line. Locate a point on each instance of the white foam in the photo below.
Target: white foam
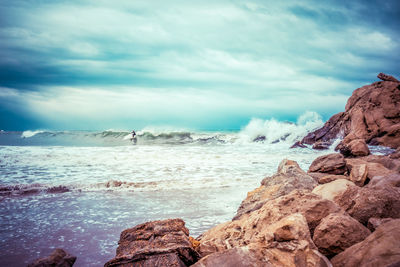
{"x": 27, "y": 134}
{"x": 276, "y": 131}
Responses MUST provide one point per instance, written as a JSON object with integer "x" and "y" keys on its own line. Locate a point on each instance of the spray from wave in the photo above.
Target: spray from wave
{"x": 273, "y": 131}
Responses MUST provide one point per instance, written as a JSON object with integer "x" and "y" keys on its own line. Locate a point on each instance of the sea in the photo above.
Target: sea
{"x": 78, "y": 190}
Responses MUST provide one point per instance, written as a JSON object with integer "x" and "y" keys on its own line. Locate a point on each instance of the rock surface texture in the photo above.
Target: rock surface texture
{"x": 381, "y": 248}
{"x": 157, "y": 243}
{"x": 59, "y": 258}
{"x": 332, "y": 163}
{"x": 288, "y": 178}
{"x": 372, "y": 114}
{"x": 338, "y": 231}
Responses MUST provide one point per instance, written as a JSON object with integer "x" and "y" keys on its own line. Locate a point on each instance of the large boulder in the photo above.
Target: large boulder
{"x": 338, "y": 231}
{"x": 354, "y": 148}
{"x": 333, "y": 189}
{"x": 156, "y": 243}
{"x": 256, "y": 227}
{"x": 372, "y": 113}
{"x": 381, "y": 248}
{"x": 288, "y": 178}
{"x": 286, "y": 242}
{"x": 58, "y": 257}
{"x": 332, "y": 163}
{"x": 368, "y": 202}
{"x": 238, "y": 257}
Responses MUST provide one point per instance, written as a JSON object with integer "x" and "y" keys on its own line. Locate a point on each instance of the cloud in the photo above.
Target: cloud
{"x": 239, "y": 59}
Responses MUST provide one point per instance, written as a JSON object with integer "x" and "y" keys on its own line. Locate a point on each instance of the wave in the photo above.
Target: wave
{"x": 31, "y": 189}
{"x": 28, "y": 134}
{"x": 256, "y": 131}
{"x": 272, "y": 131}
{"x": 20, "y": 190}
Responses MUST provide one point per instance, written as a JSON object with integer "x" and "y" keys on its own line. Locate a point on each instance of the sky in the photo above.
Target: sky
{"x": 206, "y": 65}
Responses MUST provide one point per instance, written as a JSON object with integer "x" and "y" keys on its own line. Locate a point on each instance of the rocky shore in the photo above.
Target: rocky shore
{"x": 343, "y": 211}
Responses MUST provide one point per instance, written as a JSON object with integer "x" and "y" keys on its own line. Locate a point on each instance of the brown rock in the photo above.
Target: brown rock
{"x": 373, "y": 168}
{"x": 332, "y": 163}
{"x": 258, "y": 226}
{"x": 391, "y": 180}
{"x": 387, "y": 161}
{"x": 157, "y": 243}
{"x": 367, "y": 202}
{"x": 385, "y": 77}
{"x": 372, "y": 113}
{"x": 395, "y": 154}
{"x": 317, "y": 175}
{"x": 320, "y": 145}
{"x": 338, "y": 231}
{"x": 377, "y": 169}
{"x": 355, "y": 148}
{"x": 298, "y": 144}
{"x": 239, "y": 257}
{"x": 288, "y": 178}
{"x": 286, "y": 242}
{"x": 333, "y": 189}
{"x": 374, "y": 223}
{"x": 58, "y": 257}
{"x": 358, "y": 174}
{"x": 331, "y": 177}
{"x": 381, "y": 248}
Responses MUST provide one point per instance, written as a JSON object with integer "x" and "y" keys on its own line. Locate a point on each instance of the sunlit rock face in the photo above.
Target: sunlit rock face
{"x": 372, "y": 113}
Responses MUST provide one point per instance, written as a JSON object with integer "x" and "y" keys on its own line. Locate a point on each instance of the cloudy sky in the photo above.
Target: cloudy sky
{"x": 209, "y": 65}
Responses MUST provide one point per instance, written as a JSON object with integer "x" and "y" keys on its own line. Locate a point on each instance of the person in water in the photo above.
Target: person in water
{"x": 133, "y": 138}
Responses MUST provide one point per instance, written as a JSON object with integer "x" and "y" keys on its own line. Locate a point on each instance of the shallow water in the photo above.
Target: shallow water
{"x": 203, "y": 185}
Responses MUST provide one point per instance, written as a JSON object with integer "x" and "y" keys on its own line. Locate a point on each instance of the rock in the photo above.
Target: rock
{"x": 373, "y": 168}
{"x": 355, "y": 148}
{"x": 338, "y": 231}
{"x": 374, "y": 223}
{"x": 385, "y": 77}
{"x": 367, "y": 202}
{"x": 331, "y": 177}
{"x": 387, "y": 161}
{"x": 385, "y": 181}
{"x": 239, "y": 257}
{"x": 58, "y": 257}
{"x": 358, "y": 174}
{"x": 332, "y": 163}
{"x": 377, "y": 169}
{"x": 372, "y": 113}
{"x": 381, "y": 248}
{"x": 288, "y": 178}
{"x": 258, "y": 226}
{"x": 394, "y": 155}
{"x": 320, "y": 145}
{"x": 287, "y": 242}
{"x": 298, "y": 144}
{"x": 156, "y": 243}
{"x": 317, "y": 175}
{"x": 333, "y": 189}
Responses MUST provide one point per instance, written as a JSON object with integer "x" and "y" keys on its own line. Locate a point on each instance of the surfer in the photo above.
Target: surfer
{"x": 133, "y": 138}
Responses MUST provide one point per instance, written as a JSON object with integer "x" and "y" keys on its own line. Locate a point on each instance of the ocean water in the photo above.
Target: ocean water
{"x": 78, "y": 190}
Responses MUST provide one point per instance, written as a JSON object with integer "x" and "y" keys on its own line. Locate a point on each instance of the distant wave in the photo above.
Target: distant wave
{"x": 28, "y": 134}
{"x": 256, "y": 131}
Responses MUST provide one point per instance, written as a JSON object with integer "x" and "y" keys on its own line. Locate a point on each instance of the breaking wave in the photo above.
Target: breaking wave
{"x": 256, "y": 131}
